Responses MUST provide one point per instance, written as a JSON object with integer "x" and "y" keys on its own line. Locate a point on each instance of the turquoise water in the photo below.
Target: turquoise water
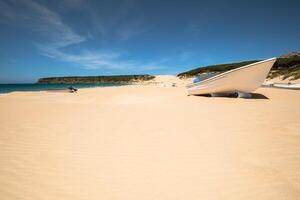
{"x": 5, "y": 88}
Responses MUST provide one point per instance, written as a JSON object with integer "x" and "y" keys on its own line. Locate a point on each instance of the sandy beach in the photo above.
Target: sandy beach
{"x": 149, "y": 142}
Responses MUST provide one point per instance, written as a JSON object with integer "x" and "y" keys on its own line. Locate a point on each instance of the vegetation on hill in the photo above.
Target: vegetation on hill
{"x": 215, "y": 69}
{"x": 287, "y": 66}
{"x": 97, "y": 79}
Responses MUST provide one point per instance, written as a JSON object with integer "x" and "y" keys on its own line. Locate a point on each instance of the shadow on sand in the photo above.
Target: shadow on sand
{"x": 258, "y": 96}
{"x": 235, "y": 95}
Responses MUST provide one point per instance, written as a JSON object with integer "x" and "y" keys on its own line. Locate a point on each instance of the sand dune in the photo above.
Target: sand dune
{"x": 149, "y": 142}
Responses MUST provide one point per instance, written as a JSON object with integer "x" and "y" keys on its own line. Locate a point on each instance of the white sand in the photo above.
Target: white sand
{"x": 149, "y": 142}
{"x": 280, "y": 80}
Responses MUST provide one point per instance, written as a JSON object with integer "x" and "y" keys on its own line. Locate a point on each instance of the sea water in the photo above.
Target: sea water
{"x": 6, "y": 88}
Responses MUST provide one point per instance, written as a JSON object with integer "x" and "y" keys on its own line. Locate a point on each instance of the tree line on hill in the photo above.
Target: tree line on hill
{"x": 96, "y": 79}
{"x": 286, "y": 66}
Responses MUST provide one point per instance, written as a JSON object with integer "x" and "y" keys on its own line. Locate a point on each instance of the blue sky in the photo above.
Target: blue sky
{"x": 88, "y": 37}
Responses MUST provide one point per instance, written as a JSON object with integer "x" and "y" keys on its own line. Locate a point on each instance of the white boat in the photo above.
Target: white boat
{"x": 242, "y": 80}
{"x": 295, "y": 86}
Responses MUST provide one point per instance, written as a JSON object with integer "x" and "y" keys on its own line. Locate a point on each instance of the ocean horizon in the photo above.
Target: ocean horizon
{"x": 28, "y": 87}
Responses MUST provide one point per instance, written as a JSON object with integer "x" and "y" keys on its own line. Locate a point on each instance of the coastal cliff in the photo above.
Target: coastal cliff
{"x": 286, "y": 67}
{"x": 96, "y": 79}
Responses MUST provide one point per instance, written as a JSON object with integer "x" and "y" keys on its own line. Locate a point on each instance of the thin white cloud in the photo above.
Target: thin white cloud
{"x": 119, "y": 23}
{"x": 37, "y": 18}
{"x": 56, "y": 36}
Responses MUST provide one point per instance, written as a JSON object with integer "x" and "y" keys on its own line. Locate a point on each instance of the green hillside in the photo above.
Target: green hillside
{"x": 97, "y": 79}
{"x": 287, "y": 66}
{"x": 214, "y": 69}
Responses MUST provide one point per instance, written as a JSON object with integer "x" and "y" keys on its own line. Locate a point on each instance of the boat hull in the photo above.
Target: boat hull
{"x": 243, "y": 79}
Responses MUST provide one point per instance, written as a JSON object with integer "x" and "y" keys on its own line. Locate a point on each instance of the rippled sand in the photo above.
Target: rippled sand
{"x": 149, "y": 142}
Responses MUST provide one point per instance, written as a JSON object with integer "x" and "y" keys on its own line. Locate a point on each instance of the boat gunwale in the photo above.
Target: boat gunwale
{"x": 230, "y": 71}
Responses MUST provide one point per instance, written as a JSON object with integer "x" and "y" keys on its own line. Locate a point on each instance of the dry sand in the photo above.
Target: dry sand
{"x": 280, "y": 80}
{"x": 149, "y": 142}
